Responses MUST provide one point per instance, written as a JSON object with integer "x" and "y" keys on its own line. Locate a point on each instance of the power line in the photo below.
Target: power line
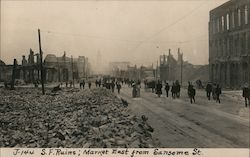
{"x": 164, "y": 28}
{"x": 92, "y": 36}
{"x": 122, "y": 40}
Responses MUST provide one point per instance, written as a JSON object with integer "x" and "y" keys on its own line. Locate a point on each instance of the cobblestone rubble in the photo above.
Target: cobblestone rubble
{"x": 69, "y": 118}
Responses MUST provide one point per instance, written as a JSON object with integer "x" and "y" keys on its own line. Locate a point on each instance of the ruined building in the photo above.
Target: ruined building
{"x": 229, "y": 43}
{"x": 60, "y": 68}
{"x": 55, "y": 68}
{"x": 170, "y": 67}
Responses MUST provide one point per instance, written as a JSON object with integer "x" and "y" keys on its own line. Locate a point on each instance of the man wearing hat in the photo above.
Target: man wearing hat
{"x": 246, "y": 93}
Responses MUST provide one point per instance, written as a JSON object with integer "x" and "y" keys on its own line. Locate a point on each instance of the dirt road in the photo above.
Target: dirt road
{"x": 205, "y": 123}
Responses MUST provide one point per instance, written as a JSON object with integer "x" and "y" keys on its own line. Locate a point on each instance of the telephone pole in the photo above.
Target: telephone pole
{"x": 72, "y": 66}
{"x": 169, "y": 51}
{"x": 41, "y": 62}
{"x": 13, "y": 74}
{"x": 180, "y": 61}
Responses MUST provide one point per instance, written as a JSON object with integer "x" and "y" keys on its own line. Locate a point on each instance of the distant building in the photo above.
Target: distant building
{"x": 114, "y": 67}
{"x": 60, "y": 68}
{"x": 55, "y": 68}
{"x": 229, "y": 43}
{"x": 170, "y": 67}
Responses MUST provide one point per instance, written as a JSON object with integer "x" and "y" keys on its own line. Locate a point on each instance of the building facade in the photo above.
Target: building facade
{"x": 63, "y": 69}
{"x": 229, "y": 44}
{"x": 56, "y": 69}
{"x": 170, "y": 68}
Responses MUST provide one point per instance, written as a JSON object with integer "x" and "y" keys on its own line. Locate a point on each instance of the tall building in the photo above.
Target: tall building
{"x": 170, "y": 67}
{"x": 229, "y": 43}
{"x": 60, "y": 68}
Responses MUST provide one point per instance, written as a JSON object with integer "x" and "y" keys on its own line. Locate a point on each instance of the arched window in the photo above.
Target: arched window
{"x": 228, "y": 22}
{"x": 246, "y": 15}
{"x": 218, "y": 25}
{"x": 233, "y": 23}
{"x": 239, "y": 18}
{"x": 222, "y": 23}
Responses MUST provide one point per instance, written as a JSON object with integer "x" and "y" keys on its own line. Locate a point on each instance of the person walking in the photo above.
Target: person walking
{"x": 80, "y": 84}
{"x": 89, "y": 83}
{"x": 178, "y": 89}
{"x": 213, "y": 90}
{"x": 134, "y": 90}
{"x": 246, "y": 94}
{"x": 113, "y": 86}
{"x": 218, "y": 93}
{"x": 167, "y": 89}
{"x": 99, "y": 82}
{"x": 173, "y": 89}
{"x": 209, "y": 89}
{"x": 191, "y": 93}
{"x": 159, "y": 88}
{"x": 153, "y": 84}
{"x": 96, "y": 83}
{"x": 118, "y": 86}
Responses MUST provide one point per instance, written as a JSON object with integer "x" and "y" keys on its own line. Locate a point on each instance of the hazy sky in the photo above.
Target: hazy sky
{"x": 135, "y": 31}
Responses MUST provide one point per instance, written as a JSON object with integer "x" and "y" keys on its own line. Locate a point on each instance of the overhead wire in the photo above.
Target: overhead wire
{"x": 168, "y": 26}
{"x": 122, "y": 40}
{"x": 140, "y": 42}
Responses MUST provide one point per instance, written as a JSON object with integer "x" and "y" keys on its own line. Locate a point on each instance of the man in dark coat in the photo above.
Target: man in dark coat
{"x": 89, "y": 83}
{"x": 173, "y": 90}
{"x": 118, "y": 86}
{"x": 113, "y": 86}
{"x": 153, "y": 86}
{"x": 209, "y": 89}
{"x": 178, "y": 89}
{"x": 167, "y": 89}
{"x": 218, "y": 93}
{"x": 96, "y": 83}
{"x": 99, "y": 82}
{"x": 159, "y": 89}
{"x": 246, "y": 94}
{"x": 134, "y": 90}
{"x": 191, "y": 93}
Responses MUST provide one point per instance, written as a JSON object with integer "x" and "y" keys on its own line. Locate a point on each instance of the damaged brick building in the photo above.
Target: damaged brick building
{"x": 169, "y": 66}
{"x": 61, "y": 69}
{"x": 171, "y": 69}
{"x": 229, "y": 43}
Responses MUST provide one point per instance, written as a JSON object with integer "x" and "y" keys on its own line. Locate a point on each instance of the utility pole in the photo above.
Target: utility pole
{"x": 157, "y": 69}
{"x": 181, "y": 63}
{"x": 169, "y": 51}
{"x": 72, "y": 66}
{"x": 181, "y": 69}
{"x": 13, "y": 75}
{"x": 58, "y": 72}
{"x": 65, "y": 76}
{"x": 41, "y": 62}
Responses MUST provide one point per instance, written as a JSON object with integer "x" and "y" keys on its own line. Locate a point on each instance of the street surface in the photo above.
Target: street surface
{"x": 203, "y": 124}
{"x": 178, "y": 123}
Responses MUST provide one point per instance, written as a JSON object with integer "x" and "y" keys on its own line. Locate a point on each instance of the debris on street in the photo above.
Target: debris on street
{"x": 70, "y": 117}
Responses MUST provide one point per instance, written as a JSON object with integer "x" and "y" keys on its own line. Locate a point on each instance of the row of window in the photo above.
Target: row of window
{"x": 231, "y": 46}
{"x": 230, "y": 20}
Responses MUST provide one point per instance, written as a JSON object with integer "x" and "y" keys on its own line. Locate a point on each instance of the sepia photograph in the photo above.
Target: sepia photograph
{"x": 124, "y": 74}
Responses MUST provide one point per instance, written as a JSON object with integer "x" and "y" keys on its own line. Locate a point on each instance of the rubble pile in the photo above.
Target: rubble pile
{"x": 69, "y": 118}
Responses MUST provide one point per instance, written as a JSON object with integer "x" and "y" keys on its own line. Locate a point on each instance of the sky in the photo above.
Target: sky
{"x": 134, "y": 31}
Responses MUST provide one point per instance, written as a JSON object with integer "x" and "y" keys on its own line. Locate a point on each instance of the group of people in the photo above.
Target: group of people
{"x": 175, "y": 89}
{"x": 215, "y": 90}
{"x": 212, "y": 89}
{"x": 82, "y": 84}
{"x": 111, "y": 84}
